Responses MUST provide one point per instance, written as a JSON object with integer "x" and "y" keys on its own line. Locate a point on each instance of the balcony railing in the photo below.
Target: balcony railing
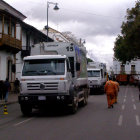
{"x": 10, "y": 42}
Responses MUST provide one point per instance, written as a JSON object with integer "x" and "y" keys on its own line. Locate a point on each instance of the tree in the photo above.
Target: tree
{"x": 127, "y": 45}
{"x": 89, "y": 60}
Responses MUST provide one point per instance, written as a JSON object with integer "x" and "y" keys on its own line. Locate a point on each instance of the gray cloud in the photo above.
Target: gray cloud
{"x": 91, "y": 18}
{"x": 105, "y": 21}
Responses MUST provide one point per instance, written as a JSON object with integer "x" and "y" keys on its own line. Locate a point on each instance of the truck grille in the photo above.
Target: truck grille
{"x": 42, "y": 86}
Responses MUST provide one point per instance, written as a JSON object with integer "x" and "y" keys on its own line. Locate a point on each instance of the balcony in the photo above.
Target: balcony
{"x": 9, "y": 43}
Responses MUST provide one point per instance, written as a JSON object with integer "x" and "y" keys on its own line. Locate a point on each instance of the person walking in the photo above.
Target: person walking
{"x": 110, "y": 90}
{"x": 7, "y": 89}
{"x": 117, "y": 90}
{"x": 16, "y": 85}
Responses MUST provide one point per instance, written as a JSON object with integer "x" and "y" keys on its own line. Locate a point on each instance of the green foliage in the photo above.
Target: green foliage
{"x": 127, "y": 45}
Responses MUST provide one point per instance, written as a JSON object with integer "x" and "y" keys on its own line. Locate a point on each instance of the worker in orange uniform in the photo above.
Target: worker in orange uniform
{"x": 110, "y": 90}
{"x": 117, "y": 90}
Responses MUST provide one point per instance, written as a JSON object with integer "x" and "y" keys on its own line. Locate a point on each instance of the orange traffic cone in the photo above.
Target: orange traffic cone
{"x": 5, "y": 110}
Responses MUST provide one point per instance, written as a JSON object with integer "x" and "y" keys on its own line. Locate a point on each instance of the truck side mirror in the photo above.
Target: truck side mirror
{"x": 77, "y": 66}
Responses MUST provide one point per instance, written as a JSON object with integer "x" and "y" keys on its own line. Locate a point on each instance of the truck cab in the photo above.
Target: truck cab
{"x": 96, "y": 79}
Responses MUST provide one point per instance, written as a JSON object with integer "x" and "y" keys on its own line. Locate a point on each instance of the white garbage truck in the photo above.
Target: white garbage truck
{"x": 96, "y": 77}
{"x": 54, "y": 74}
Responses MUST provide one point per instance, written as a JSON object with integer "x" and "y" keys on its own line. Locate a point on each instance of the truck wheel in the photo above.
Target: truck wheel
{"x": 26, "y": 110}
{"x": 74, "y": 107}
{"x": 84, "y": 101}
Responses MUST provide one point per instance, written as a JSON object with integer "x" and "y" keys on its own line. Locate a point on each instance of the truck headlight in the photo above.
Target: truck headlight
{"x": 62, "y": 87}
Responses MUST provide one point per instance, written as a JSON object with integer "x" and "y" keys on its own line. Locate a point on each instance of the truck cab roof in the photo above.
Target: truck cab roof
{"x": 44, "y": 57}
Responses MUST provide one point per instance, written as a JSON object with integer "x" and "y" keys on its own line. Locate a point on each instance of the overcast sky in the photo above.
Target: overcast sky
{"x": 96, "y": 21}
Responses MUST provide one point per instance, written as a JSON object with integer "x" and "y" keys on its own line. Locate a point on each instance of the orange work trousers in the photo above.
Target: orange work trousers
{"x": 115, "y": 97}
{"x": 110, "y": 99}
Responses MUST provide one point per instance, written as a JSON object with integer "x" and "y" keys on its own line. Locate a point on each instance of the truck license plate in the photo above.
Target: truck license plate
{"x": 41, "y": 97}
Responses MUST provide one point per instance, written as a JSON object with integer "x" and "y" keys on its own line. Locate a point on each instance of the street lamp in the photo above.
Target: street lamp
{"x": 55, "y": 8}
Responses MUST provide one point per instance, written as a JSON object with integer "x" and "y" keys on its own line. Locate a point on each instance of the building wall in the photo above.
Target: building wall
{"x": 19, "y": 63}
{"x": 23, "y": 38}
{"x": 4, "y": 56}
{"x": 19, "y": 59}
{"x": 117, "y": 64}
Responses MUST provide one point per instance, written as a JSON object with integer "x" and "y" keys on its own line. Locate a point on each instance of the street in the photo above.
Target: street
{"x": 92, "y": 122}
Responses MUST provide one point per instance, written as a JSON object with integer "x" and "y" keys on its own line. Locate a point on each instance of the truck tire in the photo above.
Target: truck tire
{"x": 26, "y": 109}
{"x": 74, "y": 107}
{"x": 84, "y": 101}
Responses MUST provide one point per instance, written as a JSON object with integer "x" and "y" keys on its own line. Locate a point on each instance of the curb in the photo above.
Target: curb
{"x": 8, "y": 103}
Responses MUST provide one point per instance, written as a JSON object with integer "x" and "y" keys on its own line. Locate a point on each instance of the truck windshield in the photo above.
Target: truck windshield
{"x": 43, "y": 67}
{"x": 94, "y": 73}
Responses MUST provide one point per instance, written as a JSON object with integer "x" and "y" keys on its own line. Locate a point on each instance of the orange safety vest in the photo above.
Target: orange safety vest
{"x": 110, "y": 87}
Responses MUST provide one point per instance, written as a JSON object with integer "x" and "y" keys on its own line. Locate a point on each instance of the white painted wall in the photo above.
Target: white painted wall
{"x": 19, "y": 63}
{"x": 23, "y": 38}
{"x": 19, "y": 60}
{"x": 116, "y": 66}
{"x": 18, "y": 30}
{"x": 3, "y": 64}
{"x": 6, "y": 28}
{"x": 13, "y": 30}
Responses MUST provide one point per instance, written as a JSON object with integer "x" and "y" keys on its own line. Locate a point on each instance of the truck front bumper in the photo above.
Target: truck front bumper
{"x": 96, "y": 86}
{"x": 44, "y": 99}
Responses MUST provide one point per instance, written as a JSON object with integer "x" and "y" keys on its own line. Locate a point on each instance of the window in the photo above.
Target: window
{"x": 44, "y": 67}
{"x": 132, "y": 67}
{"x": 122, "y": 68}
{"x": 95, "y": 73}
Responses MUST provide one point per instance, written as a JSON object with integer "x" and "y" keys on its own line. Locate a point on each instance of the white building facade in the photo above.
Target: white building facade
{"x": 130, "y": 68}
{"x": 16, "y": 39}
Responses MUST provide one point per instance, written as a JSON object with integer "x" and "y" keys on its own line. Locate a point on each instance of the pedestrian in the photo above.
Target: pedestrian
{"x": 110, "y": 90}
{"x": 117, "y": 90}
{"x": 16, "y": 85}
{"x": 7, "y": 89}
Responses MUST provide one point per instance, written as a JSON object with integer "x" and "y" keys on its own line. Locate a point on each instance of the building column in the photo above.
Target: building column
{"x": 9, "y": 26}
{"x": 20, "y": 33}
{"x": 3, "y": 24}
{"x": 15, "y": 66}
{"x": 15, "y": 31}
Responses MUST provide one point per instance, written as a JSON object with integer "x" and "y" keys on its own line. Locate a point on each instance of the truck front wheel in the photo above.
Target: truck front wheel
{"x": 26, "y": 109}
{"x": 84, "y": 101}
{"x": 74, "y": 107}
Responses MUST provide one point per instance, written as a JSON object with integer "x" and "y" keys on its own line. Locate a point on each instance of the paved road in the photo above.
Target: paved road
{"x": 95, "y": 121}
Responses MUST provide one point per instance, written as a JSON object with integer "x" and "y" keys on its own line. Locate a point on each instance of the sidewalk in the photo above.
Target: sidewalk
{"x": 12, "y": 98}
